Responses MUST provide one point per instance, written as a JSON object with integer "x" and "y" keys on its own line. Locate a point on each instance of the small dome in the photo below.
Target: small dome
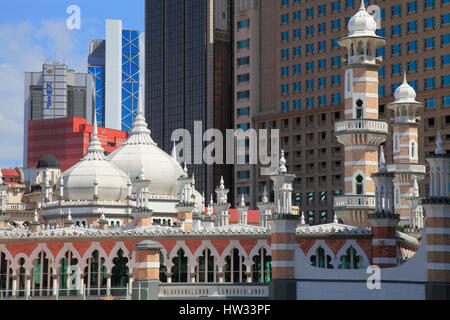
{"x": 141, "y": 154}
{"x": 405, "y": 93}
{"x": 94, "y": 168}
{"x": 48, "y": 161}
{"x": 362, "y": 23}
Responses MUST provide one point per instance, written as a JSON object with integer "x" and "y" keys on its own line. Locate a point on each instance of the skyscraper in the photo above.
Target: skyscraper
{"x": 188, "y": 74}
{"x": 55, "y": 92}
{"x": 293, "y": 52}
{"x": 115, "y": 64}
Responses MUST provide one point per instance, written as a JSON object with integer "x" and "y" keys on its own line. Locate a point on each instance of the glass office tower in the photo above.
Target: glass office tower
{"x": 115, "y": 65}
{"x": 188, "y": 74}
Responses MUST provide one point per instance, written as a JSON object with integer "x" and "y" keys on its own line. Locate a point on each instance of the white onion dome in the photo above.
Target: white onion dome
{"x": 141, "y": 152}
{"x": 405, "y": 93}
{"x": 94, "y": 168}
{"x": 362, "y": 23}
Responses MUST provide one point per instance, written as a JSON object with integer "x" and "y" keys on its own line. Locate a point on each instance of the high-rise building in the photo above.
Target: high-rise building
{"x": 188, "y": 74}
{"x": 299, "y": 67}
{"x": 115, "y": 64}
{"x": 56, "y": 92}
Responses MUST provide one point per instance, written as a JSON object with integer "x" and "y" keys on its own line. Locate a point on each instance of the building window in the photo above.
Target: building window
{"x": 285, "y": 18}
{"x": 297, "y": 104}
{"x": 243, "y": 61}
{"x": 380, "y": 32}
{"x": 285, "y": 71}
{"x": 445, "y": 39}
{"x": 309, "y": 30}
{"x": 430, "y": 102}
{"x": 359, "y": 185}
{"x": 429, "y": 22}
{"x": 297, "y": 34}
{"x": 430, "y": 83}
{"x": 244, "y": 111}
{"x": 396, "y": 10}
{"x": 412, "y": 26}
{"x": 396, "y": 68}
{"x": 297, "y": 86}
{"x": 445, "y": 19}
{"x": 297, "y": 51}
{"x": 336, "y": 98}
{"x": 429, "y": 43}
{"x": 322, "y": 9}
{"x": 335, "y": 6}
{"x": 381, "y": 91}
{"x": 445, "y": 81}
{"x": 412, "y": 6}
{"x": 412, "y": 46}
{"x": 297, "y": 15}
{"x": 429, "y": 4}
{"x": 285, "y": 54}
{"x": 334, "y": 43}
{"x": 445, "y": 101}
{"x": 244, "y": 77}
{"x": 336, "y": 79}
{"x": 285, "y": 36}
{"x": 396, "y": 29}
{"x": 429, "y": 63}
{"x": 310, "y": 48}
{"x": 297, "y": 69}
{"x": 243, "y": 94}
{"x": 445, "y": 60}
{"x": 243, "y": 24}
{"x": 412, "y": 65}
{"x": 359, "y": 109}
{"x": 336, "y": 61}
{"x": 322, "y": 46}
{"x": 396, "y": 49}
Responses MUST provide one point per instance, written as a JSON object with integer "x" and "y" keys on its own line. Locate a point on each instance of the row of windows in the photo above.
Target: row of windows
{"x": 429, "y": 84}
{"x": 412, "y": 7}
{"x": 310, "y": 66}
{"x": 310, "y": 102}
{"x": 335, "y": 6}
{"x": 297, "y": 86}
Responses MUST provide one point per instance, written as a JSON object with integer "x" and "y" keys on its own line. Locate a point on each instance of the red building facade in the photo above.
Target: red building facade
{"x": 67, "y": 140}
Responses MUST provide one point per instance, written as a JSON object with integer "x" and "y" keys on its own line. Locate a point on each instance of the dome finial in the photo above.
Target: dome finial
{"x": 382, "y": 161}
{"x": 95, "y": 150}
{"x": 335, "y": 219}
{"x": 439, "y": 142}
{"x": 404, "y": 78}
{"x": 174, "y": 151}
{"x": 415, "y": 187}
{"x": 302, "y": 221}
{"x": 242, "y": 204}
{"x": 362, "y": 6}
{"x": 282, "y": 168}
{"x": 265, "y": 197}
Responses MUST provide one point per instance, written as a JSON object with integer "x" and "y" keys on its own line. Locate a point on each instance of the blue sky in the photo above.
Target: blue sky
{"x": 33, "y": 30}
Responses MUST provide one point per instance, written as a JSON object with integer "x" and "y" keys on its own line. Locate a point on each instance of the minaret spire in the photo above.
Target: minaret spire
{"x": 95, "y": 150}
{"x": 362, "y": 6}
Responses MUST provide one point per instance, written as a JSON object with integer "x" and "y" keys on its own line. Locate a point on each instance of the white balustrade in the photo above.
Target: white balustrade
{"x": 359, "y": 201}
{"x": 362, "y": 125}
{"x": 212, "y": 290}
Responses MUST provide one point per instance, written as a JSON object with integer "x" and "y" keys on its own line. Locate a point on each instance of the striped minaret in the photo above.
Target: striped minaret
{"x": 405, "y": 135}
{"x": 437, "y": 229}
{"x": 384, "y": 221}
{"x": 361, "y": 132}
{"x": 283, "y": 229}
{"x": 146, "y": 270}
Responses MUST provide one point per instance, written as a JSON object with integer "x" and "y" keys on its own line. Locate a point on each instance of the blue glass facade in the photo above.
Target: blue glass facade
{"x": 98, "y": 74}
{"x": 130, "y": 79}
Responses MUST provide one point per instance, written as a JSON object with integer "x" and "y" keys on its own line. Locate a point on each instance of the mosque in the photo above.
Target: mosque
{"x": 131, "y": 225}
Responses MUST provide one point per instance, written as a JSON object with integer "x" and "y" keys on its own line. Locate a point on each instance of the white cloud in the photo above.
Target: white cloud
{"x": 24, "y": 48}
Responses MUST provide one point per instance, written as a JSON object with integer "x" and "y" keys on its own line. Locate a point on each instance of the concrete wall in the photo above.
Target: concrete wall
{"x": 406, "y": 281}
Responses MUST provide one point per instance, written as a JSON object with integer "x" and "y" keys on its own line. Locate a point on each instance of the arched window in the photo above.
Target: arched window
{"x": 119, "y": 273}
{"x": 180, "y": 267}
{"x": 41, "y": 277}
{"x": 413, "y": 150}
{"x": 262, "y": 268}
{"x": 95, "y": 275}
{"x": 397, "y": 196}
{"x": 359, "y": 109}
{"x": 162, "y": 269}
{"x": 234, "y": 267}
{"x": 21, "y": 278}
{"x": 321, "y": 260}
{"x": 205, "y": 270}
{"x": 5, "y": 276}
{"x": 68, "y": 274}
{"x": 351, "y": 260}
{"x": 359, "y": 184}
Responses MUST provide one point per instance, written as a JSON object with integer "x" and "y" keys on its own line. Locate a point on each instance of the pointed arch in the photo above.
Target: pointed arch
{"x": 327, "y": 252}
{"x": 359, "y": 251}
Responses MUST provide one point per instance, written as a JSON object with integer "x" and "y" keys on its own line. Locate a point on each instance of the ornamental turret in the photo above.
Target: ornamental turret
{"x": 361, "y": 132}
{"x": 406, "y": 164}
